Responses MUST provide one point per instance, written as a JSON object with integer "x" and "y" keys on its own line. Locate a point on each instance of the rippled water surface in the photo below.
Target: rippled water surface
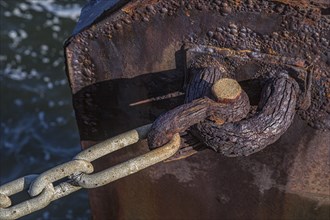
{"x": 38, "y": 128}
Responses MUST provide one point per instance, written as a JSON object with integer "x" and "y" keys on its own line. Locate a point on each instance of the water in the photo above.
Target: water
{"x": 38, "y": 127}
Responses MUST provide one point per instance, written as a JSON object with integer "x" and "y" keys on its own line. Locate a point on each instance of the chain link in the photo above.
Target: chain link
{"x": 59, "y": 172}
{"x": 14, "y": 187}
{"x": 79, "y": 171}
{"x": 131, "y": 166}
{"x": 30, "y": 205}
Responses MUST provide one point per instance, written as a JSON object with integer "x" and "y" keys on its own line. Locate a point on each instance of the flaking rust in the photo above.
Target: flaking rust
{"x": 198, "y": 110}
{"x": 241, "y": 134}
{"x": 278, "y": 101}
{"x": 275, "y": 114}
{"x": 138, "y": 52}
{"x": 290, "y": 33}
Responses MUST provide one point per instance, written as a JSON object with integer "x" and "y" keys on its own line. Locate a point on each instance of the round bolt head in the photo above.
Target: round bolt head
{"x": 226, "y": 89}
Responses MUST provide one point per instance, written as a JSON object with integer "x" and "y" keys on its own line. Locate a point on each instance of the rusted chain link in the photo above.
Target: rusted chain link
{"x": 217, "y": 111}
{"x": 78, "y": 171}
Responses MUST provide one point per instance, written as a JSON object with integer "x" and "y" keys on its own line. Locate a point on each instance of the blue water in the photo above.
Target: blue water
{"x": 38, "y": 127}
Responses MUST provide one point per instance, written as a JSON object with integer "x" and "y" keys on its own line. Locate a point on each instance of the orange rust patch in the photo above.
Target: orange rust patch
{"x": 238, "y": 2}
{"x": 131, "y": 7}
{"x": 217, "y": 120}
{"x": 300, "y": 63}
{"x": 271, "y": 51}
{"x": 298, "y": 3}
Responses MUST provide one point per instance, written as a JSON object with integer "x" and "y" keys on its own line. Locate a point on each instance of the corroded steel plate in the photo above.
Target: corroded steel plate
{"x": 137, "y": 53}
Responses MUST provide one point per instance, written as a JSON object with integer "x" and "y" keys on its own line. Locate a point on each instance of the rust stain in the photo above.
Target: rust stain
{"x": 296, "y": 3}
{"x": 132, "y": 6}
{"x": 142, "y": 59}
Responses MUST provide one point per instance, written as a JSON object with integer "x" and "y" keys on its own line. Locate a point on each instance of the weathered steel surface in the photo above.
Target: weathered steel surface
{"x": 94, "y": 10}
{"x": 135, "y": 54}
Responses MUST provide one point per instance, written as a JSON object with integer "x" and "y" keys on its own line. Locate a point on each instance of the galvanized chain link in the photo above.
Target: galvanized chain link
{"x": 79, "y": 171}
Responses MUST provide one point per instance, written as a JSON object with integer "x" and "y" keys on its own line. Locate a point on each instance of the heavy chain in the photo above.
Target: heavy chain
{"x": 231, "y": 104}
{"x": 79, "y": 172}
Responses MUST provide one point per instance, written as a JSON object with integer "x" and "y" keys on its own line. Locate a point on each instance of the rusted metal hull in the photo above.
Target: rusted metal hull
{"x": 279, "y": 183}
{"x": 136, "y": 54}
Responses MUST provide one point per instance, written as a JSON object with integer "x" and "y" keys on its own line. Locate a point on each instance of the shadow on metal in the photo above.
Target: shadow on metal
{"x": 130, "y": 56}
